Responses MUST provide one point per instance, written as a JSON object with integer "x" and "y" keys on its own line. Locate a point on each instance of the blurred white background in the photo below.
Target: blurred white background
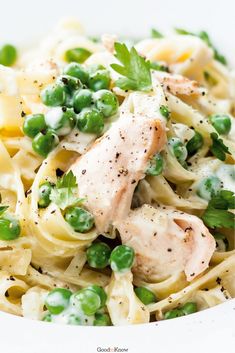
{"x": 22, "y": 20}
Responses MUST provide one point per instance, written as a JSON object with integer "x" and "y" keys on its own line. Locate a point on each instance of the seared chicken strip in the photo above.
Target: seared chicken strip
{"x": 166, "y": 241}
{"x": 109, "y": 172}
{"x": 177, "y": 84}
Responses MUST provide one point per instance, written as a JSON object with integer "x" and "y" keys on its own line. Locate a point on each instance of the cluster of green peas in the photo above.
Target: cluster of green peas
{"x": 80, "y": 97}
{"x": 87, "y": 305}
{"x": 83, "y": 307}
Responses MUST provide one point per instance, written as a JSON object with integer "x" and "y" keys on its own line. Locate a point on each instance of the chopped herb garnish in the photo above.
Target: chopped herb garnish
{"x": 64, "y": 194}
{"x": 159, "y": 67}
{"x": 156, "y": 34}
{"x": 164, "y": 110}
{"x": 205, "y": 37}
{"x": 3, "y": 209}
{"x": 223, "y": 200}
{"x": 210, "y": 79}
{"x": 217, "y": 215}
{"x": 218, "y": 148}
{"x": 184, "y": 32}
{"x": 135, "y": 69}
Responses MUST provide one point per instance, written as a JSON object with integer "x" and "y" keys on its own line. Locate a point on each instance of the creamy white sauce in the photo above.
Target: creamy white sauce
{"x": 63, "y": 318}
{"x": 226, "y": 173}
{"x": 53, "y": 120}
{"x": 231, "y": 134}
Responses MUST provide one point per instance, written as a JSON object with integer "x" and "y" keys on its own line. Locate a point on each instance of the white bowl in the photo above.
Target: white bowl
{"x": 207, "y": 331}
{"x": 212, "y": 329}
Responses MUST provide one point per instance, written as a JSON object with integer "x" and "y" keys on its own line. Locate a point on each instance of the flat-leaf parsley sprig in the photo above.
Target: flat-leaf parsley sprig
{"x": 217, "y": 215}
{"x": 135, "y": 69}
{"x": 64, "y": 194}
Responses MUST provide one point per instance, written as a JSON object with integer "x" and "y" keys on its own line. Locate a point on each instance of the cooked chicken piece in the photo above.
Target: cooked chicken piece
{"x": 166, "y": 241}
{"x": 109, "y": 172}
{"x": 177, "y": 84}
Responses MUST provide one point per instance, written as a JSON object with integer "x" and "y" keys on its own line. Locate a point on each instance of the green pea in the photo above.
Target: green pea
{"x": 99, "y": 80}
{"x": 58, "y": 300}
{"x": 222, "y": 243}
{"x": 145, "y": 295}
{"x": 88, "y": 301}
{"x": 155, "y": 165}
{"x": 178, "y": 149}
{"x": 208, "y": 187}
{"x": 90, "y": 120}
{"x": 8, "y": 55}
{"x": 76, "y": 70}
{"x": 79, "y": 219}
{"x": 106, "y": 102}
{"x": 47, "y": 318}
{"x": 78, "y": 55}
{"x": 100, "y": 291}
{"x": 53, "y": 95}
{"x": 74, "y": 320}
{"x": 102, "y": 320}
{"x": 69, "y": 83}
{"x": 164, "y": 110}
{"x": 189, "y": 308}
{"x": 44, "y": 143}
{"x": 172, "y": 314}
{"x": 9, "y": 227}
{"x": 195, "y": 143}
{"x": 44, "y": 194}
{"x": 82, "y": 99}
{"x": 221, "y": 122}
{"x": 33, "y": 124}
{"x": 61, "y": 120}
{"x": 122, "y": 258}
{"x": 98, "y": 255}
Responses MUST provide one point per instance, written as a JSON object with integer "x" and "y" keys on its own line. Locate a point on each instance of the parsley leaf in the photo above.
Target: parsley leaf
{"x": 214, "y": 218}
{"x": 217, "y": 215}
{"x": 3, "y": 209}
{"x": 156, "y": 34}
{"x": 184, "y": 32}
{"x": 135, "y": 69}
{"x": 224, "y": 199}
{"x": 64, "y": 194}
{"x": 218, "y": 148}
{"x": 205, "y": 37}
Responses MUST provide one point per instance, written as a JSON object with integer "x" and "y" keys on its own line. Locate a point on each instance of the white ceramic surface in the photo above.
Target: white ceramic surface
{"x": 210, "y": 330}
